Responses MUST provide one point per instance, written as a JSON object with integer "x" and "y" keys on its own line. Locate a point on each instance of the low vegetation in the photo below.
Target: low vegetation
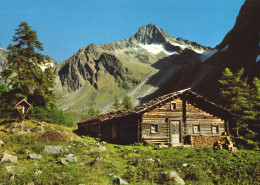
{"x": 135, "y": 164}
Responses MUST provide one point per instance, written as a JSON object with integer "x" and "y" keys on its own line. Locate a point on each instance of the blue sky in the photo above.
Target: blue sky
{"x": 65, "y": 26}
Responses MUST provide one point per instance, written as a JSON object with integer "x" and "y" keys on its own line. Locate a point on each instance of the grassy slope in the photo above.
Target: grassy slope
{"x": 205, "y": 166}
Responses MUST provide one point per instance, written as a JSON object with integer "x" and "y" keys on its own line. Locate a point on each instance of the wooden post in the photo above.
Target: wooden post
{"x": 170, "y": 132}
{"x": 22, "y": 124}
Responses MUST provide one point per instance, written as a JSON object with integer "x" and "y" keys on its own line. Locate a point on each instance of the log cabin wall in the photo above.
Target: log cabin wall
{"x": 121, "y": 130}
{"x": 91, "y": 129}
{"x": 199, "y": 122}
{"x": 155, "y": 124}
{"x": 193, "y": 121}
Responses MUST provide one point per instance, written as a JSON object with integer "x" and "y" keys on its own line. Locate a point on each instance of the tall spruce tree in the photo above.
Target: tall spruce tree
{"x": 236, "y": 94}
{"x": 24, "y": 72}
{"x": 244, "y": 100}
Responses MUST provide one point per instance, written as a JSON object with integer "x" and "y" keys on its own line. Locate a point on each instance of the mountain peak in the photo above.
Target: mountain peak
{"x": 151, "y": 34}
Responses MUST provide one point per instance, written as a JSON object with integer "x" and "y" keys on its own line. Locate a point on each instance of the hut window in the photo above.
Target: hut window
{"x": 196, "y": 129}
{"x": 214, "y": 129}
{"x": 173, "y": 106}
{"x": 154, "y": 129}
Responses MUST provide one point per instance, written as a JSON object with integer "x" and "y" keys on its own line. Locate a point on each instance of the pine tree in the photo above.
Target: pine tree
{"x": 126, "y": 103}
{"x": 24, "y": 74}
{"x": 236, "y": 96}
{"x": 242, "y": 99}
{"x": 256, "y": 99}
{"x": 116, "y": 105}
{"x": 235, "y": 91}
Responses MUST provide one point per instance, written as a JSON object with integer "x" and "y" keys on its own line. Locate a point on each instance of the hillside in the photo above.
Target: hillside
{"x": 29, "y": 159}
{"x": 136, "y": 66}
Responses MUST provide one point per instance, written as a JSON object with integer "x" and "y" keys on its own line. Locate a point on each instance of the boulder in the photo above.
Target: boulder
{"x": 15, "y": 170}
{"x": 35, "y": 156}
{"x": 38, "y": 172}
{"x": 9, "y": 158}
{"x": 149, "y": 161}
{"x": 100, "y": 149}
{"x": 97, "y": 160}
{"x": 37, "y": 129}
{"x": 68, "y": 158}
{"x": 1, "y": 143}
{"x": 117, "y": 180}
{"x": 55, "y": 149}
{"x": 174, "y": 175}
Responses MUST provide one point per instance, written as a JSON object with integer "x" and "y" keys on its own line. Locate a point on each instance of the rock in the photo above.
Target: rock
{"x": 27, "y": 151}
{"x": 13, "y": 131}
{"x": 68, "y": 158}
{"x": 35, "y": 156}
{"x": 185, "y": 165}
{"x": 98, "y": 150}
{"x": 149, "y": 161}
{"x": 98, "y": 159}
{"x": 38, "y": 172}
{"x": 174, "y": 175}
{"x": 37, "y": 129}
{"x": 1, "y": 143}
{"x": 9, "y": 158}
{"x": 55, "y": 149}
{"x": 117, "y": 180}
{"x": 15, "y": 169}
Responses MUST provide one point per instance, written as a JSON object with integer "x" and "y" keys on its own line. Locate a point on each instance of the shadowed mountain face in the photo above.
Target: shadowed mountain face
{"x": 240, "y": 48}
{"x": 137, "y": 66}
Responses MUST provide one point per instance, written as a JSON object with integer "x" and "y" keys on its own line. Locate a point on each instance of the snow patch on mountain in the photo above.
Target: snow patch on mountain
{"x": 225, "y": 48}
{"x": 206, "y": 54}
{"x": 183, "y": 47}
{"x": 156, "y": 49}
{"x": 257, "y": 58}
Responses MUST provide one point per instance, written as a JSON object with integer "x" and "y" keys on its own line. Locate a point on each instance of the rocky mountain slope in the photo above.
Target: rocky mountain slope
{"x": 137, "y": 66}
{"x": 2, "y": 59}
{"x": 240, "y": 48}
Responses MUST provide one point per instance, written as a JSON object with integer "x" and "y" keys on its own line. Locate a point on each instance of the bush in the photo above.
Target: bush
{"x": 50, "y": 114}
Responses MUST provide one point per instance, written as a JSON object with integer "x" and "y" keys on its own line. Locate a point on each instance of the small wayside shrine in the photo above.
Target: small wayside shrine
{"x": 176, "y": 119}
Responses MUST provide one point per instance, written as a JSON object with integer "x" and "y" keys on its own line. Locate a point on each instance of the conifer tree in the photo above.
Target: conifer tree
{"x": 126, "y": 103}
{"x": 242, "y": 99}
{"x": 236, "y": 96}
{"x": 235, "y": 91}
{"x": 256, "y": 99}
{"x": 116, "y": 105}
{"x": 23, "y": 73}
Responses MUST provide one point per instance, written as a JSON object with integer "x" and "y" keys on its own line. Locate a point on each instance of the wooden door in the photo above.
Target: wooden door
{"x": 175, "y": 131}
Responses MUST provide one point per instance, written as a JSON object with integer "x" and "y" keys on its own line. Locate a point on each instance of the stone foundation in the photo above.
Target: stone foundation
{"x": 205, "y": 141}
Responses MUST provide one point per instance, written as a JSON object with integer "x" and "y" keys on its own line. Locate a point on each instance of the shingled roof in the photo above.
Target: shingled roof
{"x": 192, "y": 98}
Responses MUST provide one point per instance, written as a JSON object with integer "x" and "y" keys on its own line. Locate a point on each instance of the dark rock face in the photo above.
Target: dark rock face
{"x": 151, "y": 34}
{"x": 245, "y": 34}
{"x": 82, "y": 68}
{"x": 240, "y": 48}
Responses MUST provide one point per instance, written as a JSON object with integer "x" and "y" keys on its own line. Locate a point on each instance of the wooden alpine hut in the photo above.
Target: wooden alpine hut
{"x": 178, "y": 118}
